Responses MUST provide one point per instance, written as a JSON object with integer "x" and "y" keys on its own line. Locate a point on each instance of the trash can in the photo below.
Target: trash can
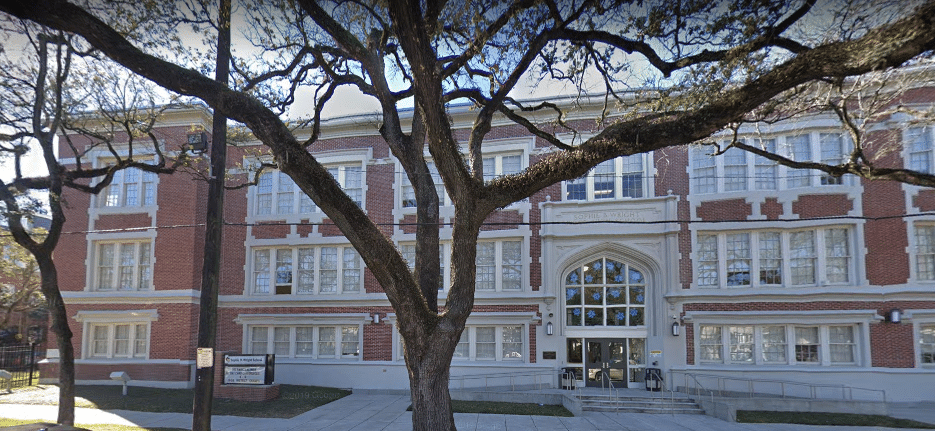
{"x": 567, "y": 378}
{"x": 653, "y": 378}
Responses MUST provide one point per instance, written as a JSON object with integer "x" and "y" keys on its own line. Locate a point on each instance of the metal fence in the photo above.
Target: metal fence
{"x": 20, "y": 360}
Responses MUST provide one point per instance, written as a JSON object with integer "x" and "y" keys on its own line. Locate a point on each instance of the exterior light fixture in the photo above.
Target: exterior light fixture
{"x": 675, "y": 328}
{"x": 376, "y": 318}
{"x": 895, "y": 315}
{"x": 548, "y": 328}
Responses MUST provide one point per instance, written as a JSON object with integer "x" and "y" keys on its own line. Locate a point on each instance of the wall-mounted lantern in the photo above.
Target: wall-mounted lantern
{"x": 894, "y": 316}
{"x": 548, "y": 328}
{"x": 675, "y": 328}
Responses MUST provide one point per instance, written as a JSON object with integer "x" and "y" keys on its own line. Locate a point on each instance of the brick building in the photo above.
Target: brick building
{"x": 725, "y": 265}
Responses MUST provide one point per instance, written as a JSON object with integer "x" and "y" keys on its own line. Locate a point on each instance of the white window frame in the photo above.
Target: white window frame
{"x": 821, "y": 257}
{"x": 339, "y": 340}
{"x": 408, "y": 250}
{"x": 711, "y": 174}
{"x": 406, "y": 187}
{"x": 279, "y": 185}
{"x": 919, "y": 252}
{"x": 272, "y": 271}
{"x": 109, "y": 321}
{"x": 646, "y": 183}
{"x": 823, "y": 345}
{"x": 926, "y": 350}
{"x": 118, "y": 245}
{"x": 469, "y": 337}
{"x": 499, "y": 269}
{"x": 919, "y": 147}
{"x": 115, "y": 196}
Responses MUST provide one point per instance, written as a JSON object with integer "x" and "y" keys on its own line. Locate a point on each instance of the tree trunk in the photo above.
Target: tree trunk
{"x": 66, "y": 376}
{"x": 431, "y": 402}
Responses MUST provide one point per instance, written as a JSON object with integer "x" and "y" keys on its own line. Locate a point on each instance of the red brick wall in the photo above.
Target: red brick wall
{"x": 812, "y": 206}
{"x": 730, "y": 209}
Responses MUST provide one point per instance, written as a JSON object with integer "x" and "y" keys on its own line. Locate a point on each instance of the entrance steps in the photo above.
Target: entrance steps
{"x": 667, "y": 404}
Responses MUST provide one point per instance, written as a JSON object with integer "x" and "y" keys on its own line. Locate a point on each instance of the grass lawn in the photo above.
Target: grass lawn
{"x": 501, "y": 408}
{"x": 293, "y": 400}
{"x": 846, "y": 419}
{"x": 95, "y": 427}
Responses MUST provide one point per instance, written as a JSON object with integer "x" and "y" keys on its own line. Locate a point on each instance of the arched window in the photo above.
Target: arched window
{"x": 605, "y": 292}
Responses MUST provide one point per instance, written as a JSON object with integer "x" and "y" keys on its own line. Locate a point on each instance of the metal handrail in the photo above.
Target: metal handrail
{"x": 511, "y": 376}
{"x": 847, "y": 392}
{"x": 695, "y": 379}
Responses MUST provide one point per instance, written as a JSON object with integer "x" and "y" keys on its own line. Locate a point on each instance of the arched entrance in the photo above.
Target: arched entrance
{"x": 605, "y": 321}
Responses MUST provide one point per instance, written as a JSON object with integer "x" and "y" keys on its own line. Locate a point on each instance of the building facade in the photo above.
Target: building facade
{"x": 676, "y": 260}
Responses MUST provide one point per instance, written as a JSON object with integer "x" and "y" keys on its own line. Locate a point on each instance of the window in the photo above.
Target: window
{"x": 307, "y": 270}
{"x": 777, "y": 258}
{"x": 765, "y": 170}
{"x": 408, "y": 193}
{"x": 806, "y": 345}
{"x": 409, "y": 254}
{"x": 919, "y": 141}
{"x": 276, "y": 193}
{"x": 500, "y": 165}
{"x": 130, "y": 187}
{"x": 741, "y": 344}
{"x": 736, "y": 170}
{"x": 925, "y": 252}
{"x": 492, "y": 343}
{"x": 710, "y": 343}
{"x": 623, "y": 177}
{"x": 499, "y": 266}
{"x": 317, "y": 342}
{"x": 124, "y": 265}
{"x": 118, "y": 340}
{"x": 605, "y": 292}
{"x": 927, "y": 343}
{"x": 767, "y": 344}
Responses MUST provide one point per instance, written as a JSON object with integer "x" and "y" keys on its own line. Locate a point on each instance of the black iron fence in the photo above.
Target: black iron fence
{"x": 20, "y": 360}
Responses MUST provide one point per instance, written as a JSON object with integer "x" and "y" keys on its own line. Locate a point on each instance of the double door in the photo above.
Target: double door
{"x": 619, "y": 361}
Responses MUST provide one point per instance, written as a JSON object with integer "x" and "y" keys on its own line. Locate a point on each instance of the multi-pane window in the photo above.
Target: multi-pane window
{"x": 492, "y": 343}
{"x": 605, "y": 292}
{"x": 735, "y": 170}
{"x": 807, "y": 342}
{"x": 276, "y": 193}
{"x": 927, "y": 343}
{"x": 500, "y": 165}
{"x": 408, "y": 193}
{"x": 741, "y": 344}
{"x": 409, "y": 254}
{"x": 769, "y": 345}
{"x": 623, "y": 177}
{"x": 919, "y": 141}
{"x": 307, "y": 270}
{"x": 800, "y": 150}
{"x": 833, "y": 150}
{"x": 123, "y": 265}
{"x": 305, "y": 341}
{"x": 129, "y": 188}
{"x": 499, "y": 266}
{"x": 925, "y": 251}
{"x": 118, "y": 340}
{"x": 765, "y": 171}
{"x": 710, "y": 344}
{"x": 775, "y": 258}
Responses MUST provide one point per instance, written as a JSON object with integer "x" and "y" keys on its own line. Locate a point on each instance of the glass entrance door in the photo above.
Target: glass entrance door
{"x": 606, "y": 359}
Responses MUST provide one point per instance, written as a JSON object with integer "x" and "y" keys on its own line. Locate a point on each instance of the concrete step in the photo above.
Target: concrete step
{"x": 603, "y": 403}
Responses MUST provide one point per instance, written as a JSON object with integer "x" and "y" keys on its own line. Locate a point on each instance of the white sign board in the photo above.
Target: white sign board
{"x": 240, "y": 360}
{"x": 205, "y": 357}
{"x": 244, "y": 375}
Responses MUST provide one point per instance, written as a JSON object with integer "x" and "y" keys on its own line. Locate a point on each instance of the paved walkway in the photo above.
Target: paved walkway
{"x": 369, "y": 412}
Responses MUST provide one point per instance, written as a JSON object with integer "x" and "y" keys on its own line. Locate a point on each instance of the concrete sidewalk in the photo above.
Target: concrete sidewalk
{"x": 369, "y": 412}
